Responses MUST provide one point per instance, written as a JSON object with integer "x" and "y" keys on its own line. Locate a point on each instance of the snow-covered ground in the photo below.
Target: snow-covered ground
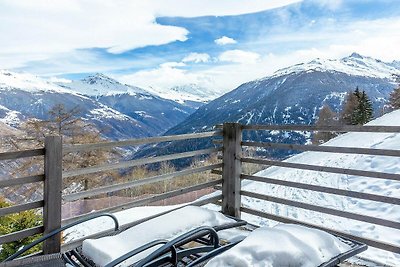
{"x": 361, "y": 184}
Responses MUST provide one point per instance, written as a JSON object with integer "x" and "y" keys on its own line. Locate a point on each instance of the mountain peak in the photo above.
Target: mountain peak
{"x": 356, "y": 55}
{"x": 99, "y": 84}
{"x": 355, "y": 64}
{"x": 99, "y": 78}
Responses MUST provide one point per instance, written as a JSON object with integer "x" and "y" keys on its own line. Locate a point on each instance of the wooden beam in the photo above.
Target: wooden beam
{"x": 22, "y": 154}
{"x": 339, "y": 213}
{"x": 232, "y": 168}
{"x": 370, "y": 242}
{"x": 331, "y": 149}
{"x": 308, "y": 128}
{"x": 19, "y": 181}
{"x": 20, "y": 234}
{"x": 144, "y": 201}
{"x": 21, "y": 207}
{"x": 323, "y": 189}
{"x": 133, "y": 184}
{"x": 52, "y": 192}
{"x": 138, "y": 162}
{"x": 301, "y": 166}
{"x": 135, "y": 142}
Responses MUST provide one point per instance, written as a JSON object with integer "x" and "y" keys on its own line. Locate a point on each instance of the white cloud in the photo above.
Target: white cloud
{"x": 172, "y": 64}
{"x": 330, "y": 4}
{"x": 197, "y": 57}
{"x": 165, "y": 76}
{"x": 239, "y": 56}
{"x": 224, "y": 40}
{"x": 44, "y": 28}
{"x": 375, "y": 38}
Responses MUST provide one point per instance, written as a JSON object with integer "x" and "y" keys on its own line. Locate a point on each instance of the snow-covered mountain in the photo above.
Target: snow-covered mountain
{"x": 24, "y": 96}
{"x": 355, "y": 65}
{"x": 354, "y": 183}
{"x": 189, "y": 94}
{"x": 293, "y": 95}
{"x": 156, "y": 113}
{"x": 100, "y": 85}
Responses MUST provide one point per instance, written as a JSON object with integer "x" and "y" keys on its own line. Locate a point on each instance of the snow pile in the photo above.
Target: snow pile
{"x": 168, "y": 226}
{"x": 104, "y": 223}
{"x": 348, "y": 182}
{"x": 354, "y": 64}
{"x": 282, "y": 245}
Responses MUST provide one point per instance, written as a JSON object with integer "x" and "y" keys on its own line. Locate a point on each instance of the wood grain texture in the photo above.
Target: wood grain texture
{"x": 52, "y": 192}
{"x": 232, "y": 168}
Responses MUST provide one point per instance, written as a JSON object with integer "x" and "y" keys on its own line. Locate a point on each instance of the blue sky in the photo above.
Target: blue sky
{"x": 218, "y": 44}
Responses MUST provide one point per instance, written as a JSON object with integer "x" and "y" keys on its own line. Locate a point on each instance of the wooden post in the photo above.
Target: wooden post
{"x": 232, "y": 169}
{"x": 52, "y": 192}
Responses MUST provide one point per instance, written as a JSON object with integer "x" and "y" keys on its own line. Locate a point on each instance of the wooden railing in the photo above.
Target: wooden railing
{"x": 53, "y": 177}
{"x": 230, "y": 170}
{"x": 232, "y": 190}
{"x": 51, "y": 203}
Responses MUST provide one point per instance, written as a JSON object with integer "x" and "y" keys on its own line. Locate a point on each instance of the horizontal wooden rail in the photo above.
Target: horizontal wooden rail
{"x": 19, "y": 181}
{"x": 217, "y": 172}
{"x": 21, "y": 207}
{"x": 76, "y": 243}
{"x": 22, "y": 154}
{"x": 141, "y": 141}
{"x": 20, "y": 234}
{"x": 323, "y": 189}
{"x": 133, "y": 184}
{"x": 369, "y": 242}
{"x": 144, "y": 201}
{"x": 331, "y": 149}
{"x": 301, "y": 166}
{"x": 343, "y": 214}
{"x": 306, "y": 128}
{"x": 137, "y": 162}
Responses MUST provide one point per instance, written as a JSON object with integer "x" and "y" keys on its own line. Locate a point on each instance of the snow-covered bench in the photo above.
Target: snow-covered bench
{"x": 283, "y": 245}
{"x": 106, "y": 249}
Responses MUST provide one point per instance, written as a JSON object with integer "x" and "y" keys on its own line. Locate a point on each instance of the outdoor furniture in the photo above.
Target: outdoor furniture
{"x": 194, "y": 247}
{"x": 78, "y": 254}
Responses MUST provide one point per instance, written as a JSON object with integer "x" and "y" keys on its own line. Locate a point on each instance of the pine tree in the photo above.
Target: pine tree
{"x": 394, "y": 99}
{"x": 364, "y": 111}
{"x": 17, "y": 222}
{"x": 326, "y": 118}
{"x": 357, "y": 109}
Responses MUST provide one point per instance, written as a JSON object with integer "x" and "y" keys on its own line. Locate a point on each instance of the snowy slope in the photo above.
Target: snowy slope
{"x": 361, "y": 184}
{"x": 355, "y": 64}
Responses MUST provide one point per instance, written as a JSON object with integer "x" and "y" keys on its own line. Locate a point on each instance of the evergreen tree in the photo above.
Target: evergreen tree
{"x": 394, "y": 99}
{"x": 357, "y": 109}
{"x": 17, "y": 222}
{"x": 363, "y": 112}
